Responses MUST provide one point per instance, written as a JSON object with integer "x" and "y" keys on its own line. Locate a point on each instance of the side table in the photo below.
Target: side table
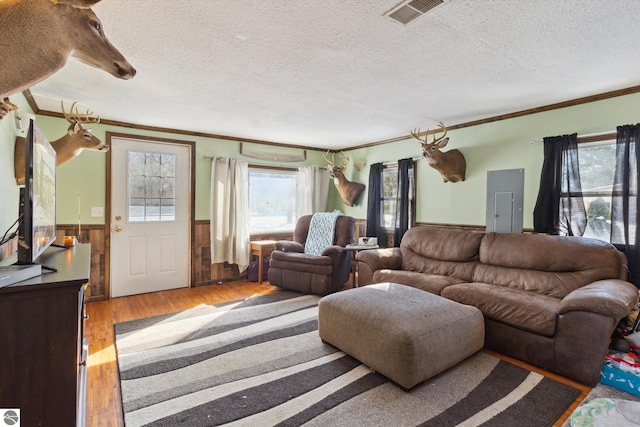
{"x": 355, "y": 247}
{"x": 261, "y": 248}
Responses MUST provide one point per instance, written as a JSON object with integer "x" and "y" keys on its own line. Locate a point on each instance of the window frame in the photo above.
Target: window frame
{"x": 412, "y": 196}
{"x": 273, "y": 169}
{"x": 595, "y": 141}
{"x": 393, "y": 198}
{"x": 148, "y": 218}
{"x": 589, "y": 144}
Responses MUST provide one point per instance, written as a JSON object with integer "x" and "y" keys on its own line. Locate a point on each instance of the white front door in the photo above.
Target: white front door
{"x": 150, "y": 216}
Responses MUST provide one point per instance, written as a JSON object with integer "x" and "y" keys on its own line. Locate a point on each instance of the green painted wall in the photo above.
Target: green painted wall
{"x": 9, "y": 191}
{"x": 85, "y": 175}
{"x": 504, "y": 144}
{"x": 493, "y": 146}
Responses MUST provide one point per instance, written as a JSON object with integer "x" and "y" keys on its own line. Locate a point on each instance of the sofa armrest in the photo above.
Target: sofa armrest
{"x": 379, "y": 259}
{"x": 332, "y": 250}
{"x": 612, "y": 297}
{"x": 372, "y": 260}
{"x": 289, "y": 246}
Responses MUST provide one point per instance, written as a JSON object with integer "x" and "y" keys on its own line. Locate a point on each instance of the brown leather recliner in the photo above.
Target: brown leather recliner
{"x": 292, "y": 269}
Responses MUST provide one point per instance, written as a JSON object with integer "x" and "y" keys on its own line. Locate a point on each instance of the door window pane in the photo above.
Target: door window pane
{"x": 152, "y": 183}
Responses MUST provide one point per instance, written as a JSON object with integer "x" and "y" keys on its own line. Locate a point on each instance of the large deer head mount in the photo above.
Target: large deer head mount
{"x": 69, "y": 146}
{"x": 348, "y": 191}
{"x": 38, "y": 36}
{"x": 78, "y": 138}
{"x": 451, "y": 164}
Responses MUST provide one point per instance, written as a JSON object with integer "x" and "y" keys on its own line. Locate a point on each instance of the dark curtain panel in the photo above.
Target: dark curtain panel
{"x": 624, "y": 199}
{"x": 560, "y": 208}
{"x": 546, "y": 214}
{"x": 374, "y": 207}
{"x": 404, "y": 214}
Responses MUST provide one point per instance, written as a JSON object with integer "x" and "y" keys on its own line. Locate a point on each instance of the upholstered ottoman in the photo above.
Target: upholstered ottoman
{"x": 406, "y": 334}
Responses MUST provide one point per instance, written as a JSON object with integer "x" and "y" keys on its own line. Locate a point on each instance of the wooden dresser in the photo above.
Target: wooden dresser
{"x": 43, "y": 351}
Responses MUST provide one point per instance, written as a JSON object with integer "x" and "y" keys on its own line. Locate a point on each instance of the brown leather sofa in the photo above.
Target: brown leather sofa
{"x": 550, "y": 301}
{"x": 292, "y": 269}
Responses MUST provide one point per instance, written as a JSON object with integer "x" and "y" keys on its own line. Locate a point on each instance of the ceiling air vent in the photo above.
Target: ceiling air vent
{"x": 410, "y": 10}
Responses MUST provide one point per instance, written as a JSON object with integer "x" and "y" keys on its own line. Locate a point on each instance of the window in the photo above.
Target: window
{"x": 152, "y": 183}
{"x": 389, "y": 192}
{"x": 272, "y": 200}
{"x": 389, "y": 198}
{"x": 597, "y": 162}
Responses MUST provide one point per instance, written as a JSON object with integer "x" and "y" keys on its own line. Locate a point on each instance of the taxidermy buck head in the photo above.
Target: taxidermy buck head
{"x": 451, "y": 164}
{"x": 69, "y": 146}
{"x": 348, "y": 191}
{"x": 6, "y": 107}
{"x": 77, "y": 138}
{"x": 38, "y": 36}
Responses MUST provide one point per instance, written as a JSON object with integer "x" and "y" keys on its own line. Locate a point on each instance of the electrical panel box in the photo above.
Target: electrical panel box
{"x": 505, "y": 193}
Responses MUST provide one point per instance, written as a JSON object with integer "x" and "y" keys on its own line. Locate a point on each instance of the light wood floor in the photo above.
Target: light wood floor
{"x": 103, "y": 392}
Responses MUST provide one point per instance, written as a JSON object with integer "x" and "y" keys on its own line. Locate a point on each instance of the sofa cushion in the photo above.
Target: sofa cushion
{"x": 440, "y": 251}
{"x": 551, "y": 265}
{"x": 427, "y": 282}
{"x": 403, "y": 333}
{"x": 295, "y": 261}
{"x": 525, "y": 310}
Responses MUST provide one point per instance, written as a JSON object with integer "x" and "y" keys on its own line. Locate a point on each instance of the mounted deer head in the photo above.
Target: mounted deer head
{"x": 38, "y": 36}
{"x": 451, "y": 164}
{"x": 348, "y": 191}
{"x": 6, "y": 107}
{"x": 69, "y": 146}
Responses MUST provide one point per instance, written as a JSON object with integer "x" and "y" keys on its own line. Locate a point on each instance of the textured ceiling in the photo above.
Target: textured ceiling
{"x": 338, "y": 73}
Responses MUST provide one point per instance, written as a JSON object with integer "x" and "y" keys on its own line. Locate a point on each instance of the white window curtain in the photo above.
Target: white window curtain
{"x": 313, "y": 190}
{"x": 230, "y": 212}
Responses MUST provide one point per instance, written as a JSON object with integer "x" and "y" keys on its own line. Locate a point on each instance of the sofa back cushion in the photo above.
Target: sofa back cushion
{"x": 551, "y": 265}
{"x": 440, "y": 251}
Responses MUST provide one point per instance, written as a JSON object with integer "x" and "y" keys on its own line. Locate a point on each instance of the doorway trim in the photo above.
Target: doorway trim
{"x": 192, "y": 199}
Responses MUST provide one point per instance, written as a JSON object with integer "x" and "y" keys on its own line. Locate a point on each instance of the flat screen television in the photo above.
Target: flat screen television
{"x": 37, "y": 230}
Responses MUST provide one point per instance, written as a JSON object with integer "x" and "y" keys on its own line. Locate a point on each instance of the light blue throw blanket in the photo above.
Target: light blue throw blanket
{"x": 321, "y": 231}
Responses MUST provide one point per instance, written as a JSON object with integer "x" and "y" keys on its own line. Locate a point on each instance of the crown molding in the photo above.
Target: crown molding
{"x": 570, "y": 103}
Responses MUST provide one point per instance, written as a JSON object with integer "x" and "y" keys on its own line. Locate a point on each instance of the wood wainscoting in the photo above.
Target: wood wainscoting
{"x": 205, "y": 273}
{"x": 94, "y": 234}
{"x": 361, "y": 229}
{"x": 202, "y": 271}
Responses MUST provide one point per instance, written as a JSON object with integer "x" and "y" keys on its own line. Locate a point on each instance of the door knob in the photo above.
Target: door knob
{"x": 117, "y": 229}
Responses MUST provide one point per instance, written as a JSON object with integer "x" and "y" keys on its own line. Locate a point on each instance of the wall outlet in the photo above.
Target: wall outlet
{"x": 97, "y": 211}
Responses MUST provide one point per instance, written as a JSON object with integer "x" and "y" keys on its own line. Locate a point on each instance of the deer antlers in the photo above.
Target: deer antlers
{"x": 416, "y": 134}
{"x": 75, "y": 117}
{"x": 345, "y": 159}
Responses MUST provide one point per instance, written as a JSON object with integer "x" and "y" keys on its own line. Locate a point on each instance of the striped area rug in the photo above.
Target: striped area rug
{"x": 260, "y": 362}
